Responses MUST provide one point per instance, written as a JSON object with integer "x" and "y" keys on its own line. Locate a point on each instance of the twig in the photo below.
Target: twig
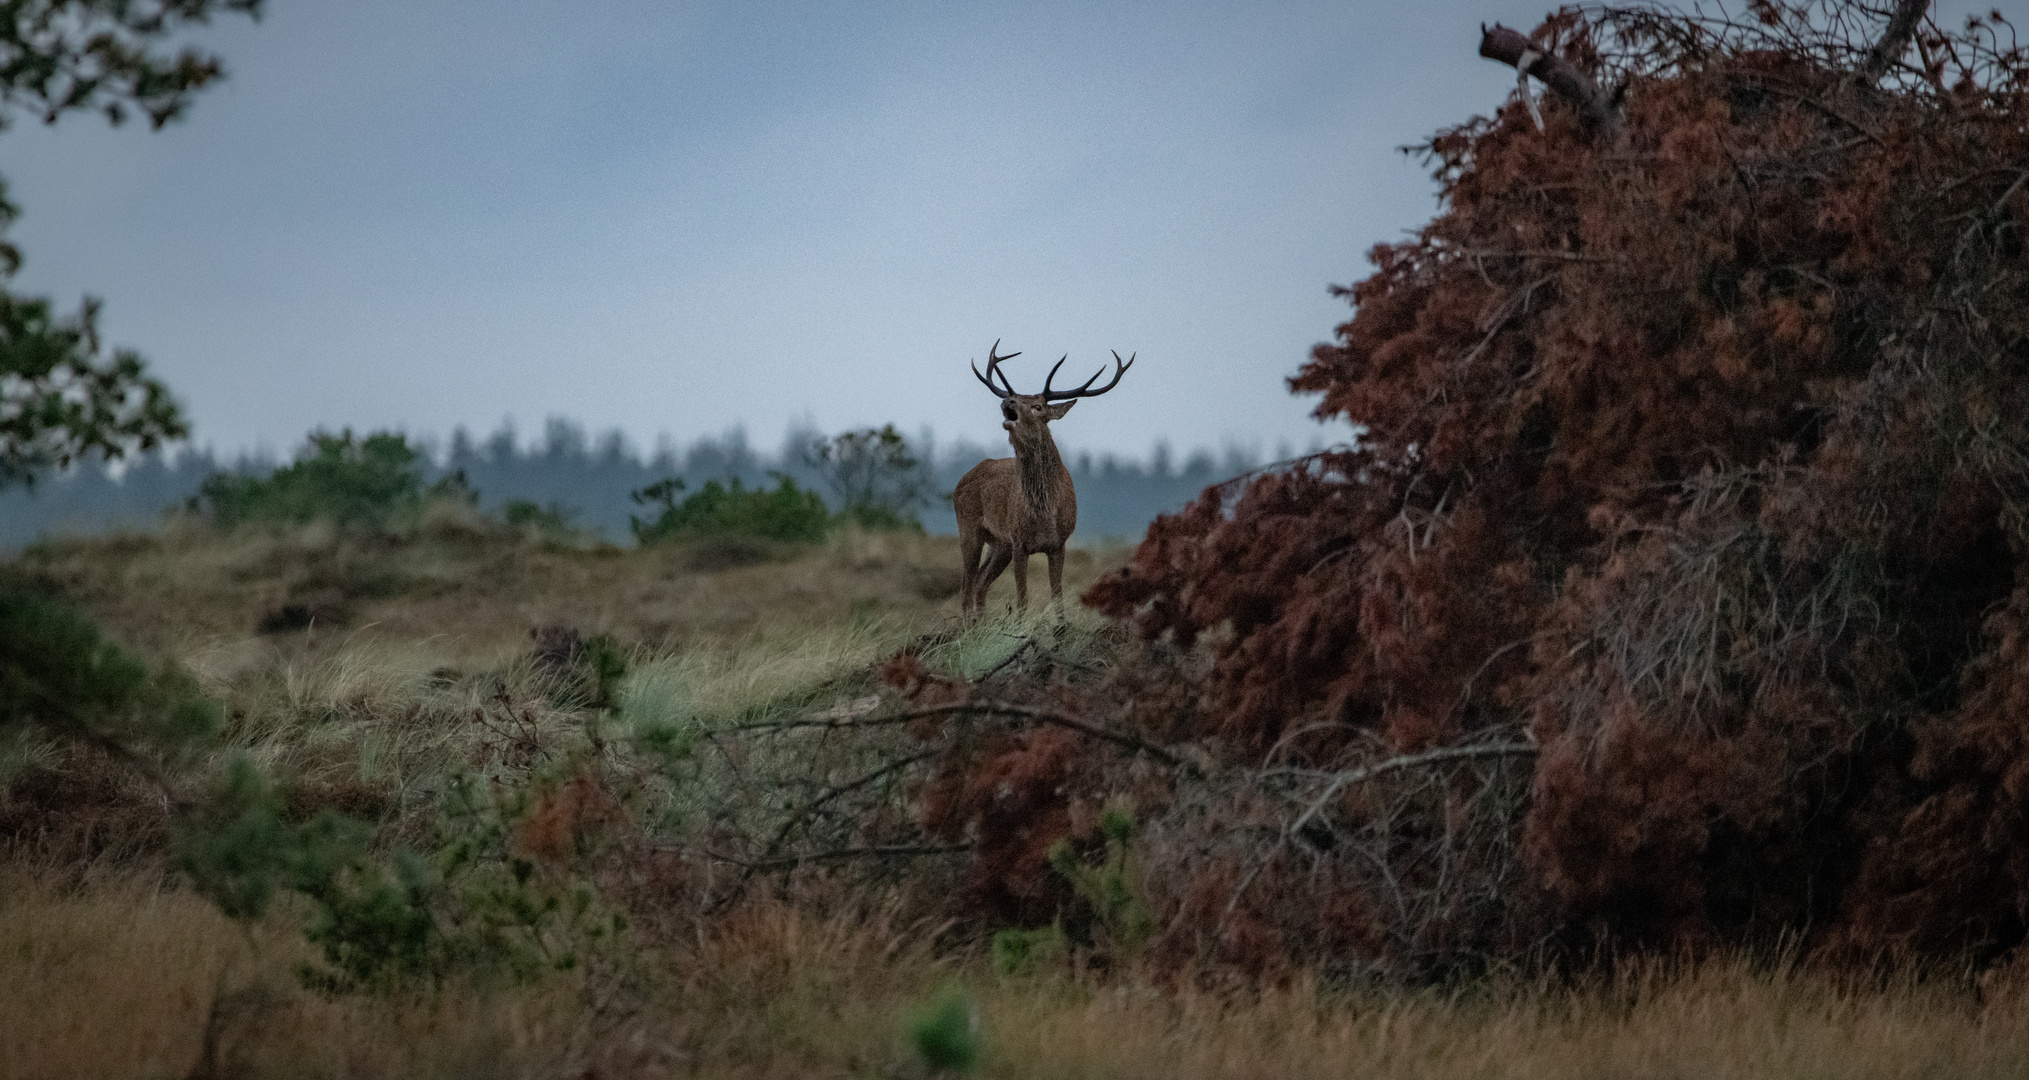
{"x": 897, "y": 851}
{"x": 1826, "y": 108}
{"x": 803, "y": 815}
{"x": 2001, "y": 203}
{"x": 1407, "y": 761}
{"x": 1057, "y": 719}
{"x": 1341, "y": 780}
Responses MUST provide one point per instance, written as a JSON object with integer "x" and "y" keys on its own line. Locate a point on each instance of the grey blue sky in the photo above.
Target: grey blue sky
{"x": 679, "y": 217}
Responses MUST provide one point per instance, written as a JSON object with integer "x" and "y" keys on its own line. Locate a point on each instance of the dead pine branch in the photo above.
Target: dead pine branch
{"x": 1601, "y": 108}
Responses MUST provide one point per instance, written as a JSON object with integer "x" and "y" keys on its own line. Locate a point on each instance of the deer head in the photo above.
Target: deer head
{"x": 1027, "y": 416}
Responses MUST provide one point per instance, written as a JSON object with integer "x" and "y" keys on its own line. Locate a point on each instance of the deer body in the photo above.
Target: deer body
{"x": 1011, "y": 508}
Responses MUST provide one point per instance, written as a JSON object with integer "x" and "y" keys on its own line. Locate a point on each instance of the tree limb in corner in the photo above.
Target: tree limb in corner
{"x": 1894, "y": 39}
{"x": 1513, "y": 48}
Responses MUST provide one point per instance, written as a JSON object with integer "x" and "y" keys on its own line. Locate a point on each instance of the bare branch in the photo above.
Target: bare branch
{"x": 1513, "y": 48}
{"x": 802, "y": 815}
{"x": 1346, "y": 779}
{"x": 1894, "y": 40}
{"x": 1033, "y": 713}
{"x": 894, "y": 851}
{"x": 1047, "y": 716}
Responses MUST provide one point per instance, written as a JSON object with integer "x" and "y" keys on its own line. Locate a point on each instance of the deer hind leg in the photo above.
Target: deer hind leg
{"x": 997, "y": 556}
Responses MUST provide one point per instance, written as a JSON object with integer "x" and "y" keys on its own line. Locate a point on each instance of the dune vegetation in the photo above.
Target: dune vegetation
{"x": 448, "y": 651}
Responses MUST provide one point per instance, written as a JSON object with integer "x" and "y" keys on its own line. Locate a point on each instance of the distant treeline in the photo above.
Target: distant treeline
{"x": 592, "y": 477}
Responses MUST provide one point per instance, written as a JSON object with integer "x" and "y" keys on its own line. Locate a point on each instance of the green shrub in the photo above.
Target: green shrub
{"x": 1121, "y": 921}
{"x": 785, "y": 513}
{"x": 1017, "y": 951}
{"x": 500, "y": 894}
{"x": 476, "y": 907}
{"x": 944, "y": 1032}
{"x": 58, "y": 677}
{"x": 372, "y": 482}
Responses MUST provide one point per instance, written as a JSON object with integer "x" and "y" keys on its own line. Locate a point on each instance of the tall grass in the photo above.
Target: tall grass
{"x": 128, "y": 979}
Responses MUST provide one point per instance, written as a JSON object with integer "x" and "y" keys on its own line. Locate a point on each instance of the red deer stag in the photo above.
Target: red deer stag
{"x": 1020, "y": 506}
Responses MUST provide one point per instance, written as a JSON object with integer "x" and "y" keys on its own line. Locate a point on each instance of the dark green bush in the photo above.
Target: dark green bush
{"x": 372, "y": 482}
{"x": 784, "y": 513}
{"x": 945, "y": 1032}
{"x": 59, "y": 677}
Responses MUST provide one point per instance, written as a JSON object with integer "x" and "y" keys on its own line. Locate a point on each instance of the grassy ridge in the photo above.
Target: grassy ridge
{"x": 420, "y": 662}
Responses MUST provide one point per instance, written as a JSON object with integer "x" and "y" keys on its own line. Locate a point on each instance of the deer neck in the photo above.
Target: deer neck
{"x": 1040, "y": 467}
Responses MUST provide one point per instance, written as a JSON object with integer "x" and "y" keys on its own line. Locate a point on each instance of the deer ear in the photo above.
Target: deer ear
{"x": 1057, "y": 411}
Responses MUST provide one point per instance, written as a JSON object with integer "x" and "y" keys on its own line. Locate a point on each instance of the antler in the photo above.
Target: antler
{"x": 993, "y": 368}
{"x": 1119, "y": 368}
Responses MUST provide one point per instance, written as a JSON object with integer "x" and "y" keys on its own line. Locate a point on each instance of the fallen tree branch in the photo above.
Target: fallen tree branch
{"x": 835, "y": 721}
{"x": 1033, "y": 713}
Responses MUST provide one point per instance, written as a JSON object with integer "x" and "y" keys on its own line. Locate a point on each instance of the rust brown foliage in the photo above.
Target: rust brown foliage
{"x": 1696, "y": 453}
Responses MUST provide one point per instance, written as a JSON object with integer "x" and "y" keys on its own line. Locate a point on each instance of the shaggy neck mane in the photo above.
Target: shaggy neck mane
{"x": 1038, "y": 466}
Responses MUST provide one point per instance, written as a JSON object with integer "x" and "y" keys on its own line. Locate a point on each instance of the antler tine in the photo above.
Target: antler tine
{"x": 1120, "y": 368}
{"x": 992, "y": 369}
{"x": 1051, "y": 377}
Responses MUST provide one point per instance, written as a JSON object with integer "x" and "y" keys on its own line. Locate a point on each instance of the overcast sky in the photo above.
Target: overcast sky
{"x": 674, "y": 218}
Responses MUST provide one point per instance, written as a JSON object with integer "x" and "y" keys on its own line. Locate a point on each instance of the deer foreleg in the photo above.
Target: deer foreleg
{"x": 969, "y": 544}
{"x": 997, "y": 556}
{"x": 1056, "y": 575}
{"x": 1021, "y": 569}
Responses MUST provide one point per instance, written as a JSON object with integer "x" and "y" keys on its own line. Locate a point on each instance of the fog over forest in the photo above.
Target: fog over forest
{"x": 592, "y": 476}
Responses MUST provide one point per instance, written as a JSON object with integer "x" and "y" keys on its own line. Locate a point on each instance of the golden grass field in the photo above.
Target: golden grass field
{"x": 110, "y": 967}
